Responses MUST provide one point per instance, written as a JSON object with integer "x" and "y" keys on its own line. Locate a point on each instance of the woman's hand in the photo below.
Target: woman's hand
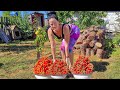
{"x": 68, "y": 62}
{"x": 53, "y": 60}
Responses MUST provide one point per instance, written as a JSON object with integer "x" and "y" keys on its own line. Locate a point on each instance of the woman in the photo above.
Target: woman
{"x": 69, "y": 35}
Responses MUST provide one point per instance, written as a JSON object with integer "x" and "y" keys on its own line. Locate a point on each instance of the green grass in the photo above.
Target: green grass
{"x": 116, "y": 52}
{"x": 19, "y": 63}
{"x": 112, "y": 70}
{"x": 13, "y": 66}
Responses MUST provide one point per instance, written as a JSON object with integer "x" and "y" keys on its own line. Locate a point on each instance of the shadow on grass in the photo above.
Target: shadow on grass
{"x": 100, "y": 66}
{"x": 1, "y": 64}
{"x": 18, "y": 46}
{"x": 16, "y": 49}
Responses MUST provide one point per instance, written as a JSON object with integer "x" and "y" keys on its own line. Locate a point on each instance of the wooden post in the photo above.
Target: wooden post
{"x": 88, "y": 51}
{"x": 92, "y": 53}
{"x": 99, "y": 53}
{"x": 82, "y": 50}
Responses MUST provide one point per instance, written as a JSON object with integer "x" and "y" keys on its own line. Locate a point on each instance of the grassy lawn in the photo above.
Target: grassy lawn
{"x": 109, "y": 68}
{"x": 18, "y": 58}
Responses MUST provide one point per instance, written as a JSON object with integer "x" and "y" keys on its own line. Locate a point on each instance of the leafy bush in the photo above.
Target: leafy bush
{"x": 116, "y": 39}
{"x": 41, "y": 37}
{"x": 85, "y": 18}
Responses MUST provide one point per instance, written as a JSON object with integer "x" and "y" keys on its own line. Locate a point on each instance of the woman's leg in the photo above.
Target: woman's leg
{"x": 71, "y": 57}
{"x": 73, "y": 39}
{"x": 63, "y": 55}
{"x": 62, "y": 49}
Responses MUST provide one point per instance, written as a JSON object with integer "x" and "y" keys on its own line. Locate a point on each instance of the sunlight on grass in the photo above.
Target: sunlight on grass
{"x": 116, "y": 53}
{"x": 19, "y": 65}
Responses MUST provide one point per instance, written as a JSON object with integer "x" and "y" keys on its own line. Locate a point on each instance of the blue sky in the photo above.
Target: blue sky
{"x": 30, "y": 12}
{"x": 0, "y": 13}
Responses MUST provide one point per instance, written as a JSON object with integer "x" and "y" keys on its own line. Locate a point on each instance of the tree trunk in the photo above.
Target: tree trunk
{"x": 38, "y": 52}
{"x": 98, "y": 44}
{"x": 77, "y": 46}
{"x": 82, "y": 50}
{"x": 90, "y": 38}
{"x": 99, "y": 53}
{"x": 92, "y": 43}
{"x": 38, "y": 55}
{"x": 80, "y": 40}
{"x": 92, "y": 53}
{"x": 100, "y": 34}
{"x": 88, "y": 51}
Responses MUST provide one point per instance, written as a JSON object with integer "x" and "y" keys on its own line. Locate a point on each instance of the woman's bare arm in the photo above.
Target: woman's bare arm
{"x": 52, "y": 41}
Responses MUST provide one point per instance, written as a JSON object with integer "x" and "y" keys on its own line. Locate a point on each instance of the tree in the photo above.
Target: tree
{"x": 22, "y": 23}
{"x": 85, "y": 18}
{"x": 64, "y": 15}
{"x": 41, "y": 38}
{"x": 6, "y": 13}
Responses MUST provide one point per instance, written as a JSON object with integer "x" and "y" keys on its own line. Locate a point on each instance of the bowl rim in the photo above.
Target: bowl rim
{"x": 59, "y": 75}
{"x": 42, "y": 75}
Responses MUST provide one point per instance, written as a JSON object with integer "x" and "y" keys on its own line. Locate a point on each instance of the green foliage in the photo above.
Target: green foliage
{"x": 116, "y": 39}
{"x": 112, "y": 44}
{"x": 6, "y": 13}
{"x": 21, "y": 22}
{"x": 109, "y": 48}
{"x": 85, "y": 18}
{"x": 116, "y": 52}
{"x": 41, "y": 38}
{"x": 108, "y": 44}
{"x": 63, "y": 15}
{"x": 88, "y": 18}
